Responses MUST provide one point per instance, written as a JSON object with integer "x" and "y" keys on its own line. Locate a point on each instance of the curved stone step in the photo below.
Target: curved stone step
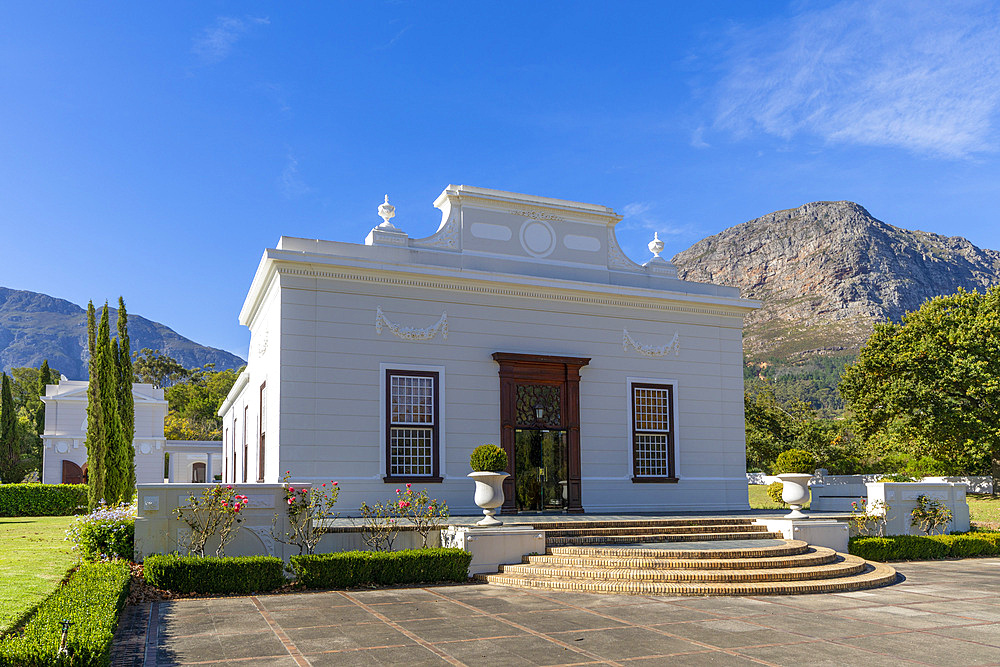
{"x": 845, "y": 566}
{"x": 810, "y": 557}
{"x": 660, "y": 530}
{"x": 874, "y": 575}
{"x": 786, "y": 548}
{"x": 617, "y": 523}
{"x": 658, "y": 537}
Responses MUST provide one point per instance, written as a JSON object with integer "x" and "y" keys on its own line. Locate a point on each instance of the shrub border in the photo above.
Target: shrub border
{"x": 363, "y": 568}
{"x": 925, "y": 547}
{"x": 93, "y": 597}
{"x": 42, "y": 499}
{"x": 230, "y": 574}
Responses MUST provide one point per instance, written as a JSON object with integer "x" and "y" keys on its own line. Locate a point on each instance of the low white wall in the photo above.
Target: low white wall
{"x": 901, "y": 498}
{"x": 835, "y": 493}
{"x": 158, "y": 530}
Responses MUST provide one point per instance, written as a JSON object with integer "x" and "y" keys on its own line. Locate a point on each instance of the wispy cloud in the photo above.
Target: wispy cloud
{"x": 216, "y": 42}
{"x": 392, "y": 41}
{"x": 921, "y": 75}
{"x": 641, "y": 216}
{"x": 290, "y": 182}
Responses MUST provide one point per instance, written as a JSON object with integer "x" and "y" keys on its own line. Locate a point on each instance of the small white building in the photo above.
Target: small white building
{"x": 64, "y": 455}
{"x": 613, "y": 386}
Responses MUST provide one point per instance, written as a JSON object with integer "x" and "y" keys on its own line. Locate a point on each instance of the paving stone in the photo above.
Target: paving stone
{"x": 300, "y": 618}
{"x": 411, "y": 656}
{"x": 731, "y": 633}
{"x": 435, "y": 608}
{"x": 628, "y": 642}
{"x": 930, "y": 648}
{"x": 517, "y": 651}
{"x": 460, "y": 629}
{"x": 344, "y": 637}
{"x": 987, "y": 633}
{"x": 820, "y": 654}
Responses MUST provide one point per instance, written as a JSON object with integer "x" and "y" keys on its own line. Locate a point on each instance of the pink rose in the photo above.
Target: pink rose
{"x": 290, "y": 501}
{"x": 334, "y": 483}
{"x": 408, "y": 486}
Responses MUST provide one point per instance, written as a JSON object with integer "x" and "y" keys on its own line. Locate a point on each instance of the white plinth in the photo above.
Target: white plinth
{"x": 828, "y": 533}
{"x": 493, "y": 547}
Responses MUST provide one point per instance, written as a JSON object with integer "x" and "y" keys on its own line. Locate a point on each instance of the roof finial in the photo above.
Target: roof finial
{"x": 656, "y": 245}
{"x": 386, "y": 211}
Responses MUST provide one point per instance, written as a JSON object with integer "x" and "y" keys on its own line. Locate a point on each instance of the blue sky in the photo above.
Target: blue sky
{"x": 154, "y": 150}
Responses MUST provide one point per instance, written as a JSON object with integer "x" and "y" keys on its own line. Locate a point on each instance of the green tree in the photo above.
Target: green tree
{"x": 126, "y": 402}
{"x": 930, "y": 384}
{"x": 194, "y": 404}
{"x": 115, "y": 475}
{"x": 768, "y": 426}
{"x": 44, "y": 378}
{"x": 158, "y": 369}
{"x": 96, "y": 436}
{"x": 9, "y": 450}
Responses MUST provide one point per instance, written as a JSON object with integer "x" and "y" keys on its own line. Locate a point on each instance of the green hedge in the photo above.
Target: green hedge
{"x": 925, "y": 547}
{"x": 194, "y": 574}
{"x": 92, "y": 598}
{"x": 42, "y": 499}
{"x": 358, "y": 568}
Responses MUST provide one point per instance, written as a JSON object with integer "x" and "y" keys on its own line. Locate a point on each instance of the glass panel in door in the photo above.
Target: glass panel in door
{"x": 540, "y": 470}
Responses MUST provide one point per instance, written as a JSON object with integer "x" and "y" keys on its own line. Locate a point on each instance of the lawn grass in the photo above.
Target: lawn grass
{"x": 759, "y": 500}
{"x": 984, "y": 510}
{"x": 34, "y": 558}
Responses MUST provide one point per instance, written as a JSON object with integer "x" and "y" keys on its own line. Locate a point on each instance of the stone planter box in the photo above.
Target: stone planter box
{"x": 901, "y": 498}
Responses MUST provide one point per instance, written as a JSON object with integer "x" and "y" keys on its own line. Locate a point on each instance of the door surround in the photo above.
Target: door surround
{"x": 535, "y": 369}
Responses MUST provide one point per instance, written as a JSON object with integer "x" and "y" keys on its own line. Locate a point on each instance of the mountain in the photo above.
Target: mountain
{"x": 35, "y": 327}
{"x": 827, "y": 271}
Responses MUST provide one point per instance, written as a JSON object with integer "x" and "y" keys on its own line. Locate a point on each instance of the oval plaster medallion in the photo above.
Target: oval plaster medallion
{"x": 538, "y": 238}
{"x": 62, "y": 446}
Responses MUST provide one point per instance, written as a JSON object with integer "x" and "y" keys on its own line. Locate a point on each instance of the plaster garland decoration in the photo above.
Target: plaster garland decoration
{"x": 651, "y": 350}
{"x": 411, "y": 333}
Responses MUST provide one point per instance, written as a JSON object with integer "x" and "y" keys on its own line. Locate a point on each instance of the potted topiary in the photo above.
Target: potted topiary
{"x": 488, "y": 465}
{"x": 794, "y": 468}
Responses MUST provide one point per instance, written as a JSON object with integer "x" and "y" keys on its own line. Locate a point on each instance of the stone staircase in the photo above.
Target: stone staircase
{"x": 710, "y": 557}
{"x": 578, "y": 533}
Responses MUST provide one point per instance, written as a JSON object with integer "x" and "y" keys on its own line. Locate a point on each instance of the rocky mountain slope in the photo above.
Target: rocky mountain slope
{"x": 35, "y": 326}
{"x": 827, "y": 271}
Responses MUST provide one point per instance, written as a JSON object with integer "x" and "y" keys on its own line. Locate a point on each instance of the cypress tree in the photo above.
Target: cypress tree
{"x": 9, "y": 456}
{"x": 126, "y": 402}
{"x": 44, "y": 378}
{"x": 114, "y": 477}
{"x": 96, "y": 447}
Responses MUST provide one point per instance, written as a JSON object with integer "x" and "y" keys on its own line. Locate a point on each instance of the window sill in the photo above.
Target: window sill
{"x": 654, "y": 480}
{"x": 412, "y": 480}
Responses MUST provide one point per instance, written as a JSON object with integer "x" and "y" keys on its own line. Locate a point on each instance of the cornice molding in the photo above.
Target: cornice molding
{"x": 580, "y": 295}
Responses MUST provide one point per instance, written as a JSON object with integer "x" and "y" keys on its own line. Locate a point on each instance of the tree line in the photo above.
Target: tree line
{"x": 922, "y": 398}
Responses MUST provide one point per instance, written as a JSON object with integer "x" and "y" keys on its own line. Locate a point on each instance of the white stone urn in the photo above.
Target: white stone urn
{"x": 489, "y": 495}
{"x": 795, "y": 492}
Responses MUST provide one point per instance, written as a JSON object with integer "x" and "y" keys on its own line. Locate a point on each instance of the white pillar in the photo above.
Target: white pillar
{"x": 170, "y": 467}
{"x": 209, "y": 477}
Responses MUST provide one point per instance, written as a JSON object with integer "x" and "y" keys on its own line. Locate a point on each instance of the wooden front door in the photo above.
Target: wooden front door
{"x": 540, "y": 393}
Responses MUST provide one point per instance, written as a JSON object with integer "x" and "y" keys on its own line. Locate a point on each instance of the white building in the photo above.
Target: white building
{"x": 64, "y": 455}
{"x": 613, "y": 386}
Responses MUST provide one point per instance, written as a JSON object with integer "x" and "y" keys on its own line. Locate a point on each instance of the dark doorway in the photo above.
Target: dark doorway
{"x": 541, "y": 470}
{"x": 540, "y": 431}
{"x": 72, "y": 473}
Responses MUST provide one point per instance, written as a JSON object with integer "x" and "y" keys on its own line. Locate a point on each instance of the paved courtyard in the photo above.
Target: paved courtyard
{"x": 944, "y": 613}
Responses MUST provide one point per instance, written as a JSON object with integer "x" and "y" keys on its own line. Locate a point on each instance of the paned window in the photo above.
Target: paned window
{"x": 411, "y": 425}
{"x": 652, "y": 433}
{"x": 263, "y": 430}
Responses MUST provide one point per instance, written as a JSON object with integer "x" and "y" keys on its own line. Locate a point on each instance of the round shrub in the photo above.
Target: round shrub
{"x": 774, "y": 492}
{"x": 795, "y": 461}
{"x": 488, "y": 458}
{"x": 107, "y": 532}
